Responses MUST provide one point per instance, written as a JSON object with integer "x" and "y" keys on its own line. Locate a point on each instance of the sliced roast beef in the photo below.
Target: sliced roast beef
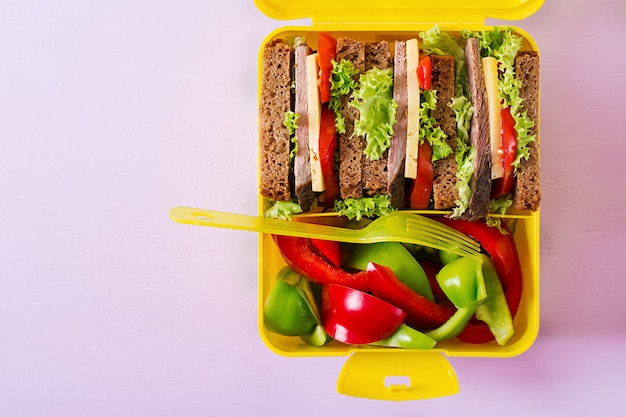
{"x": 479, "y": 135}
{"x": 397, "y": 150}
{"x": 302, "y": 165}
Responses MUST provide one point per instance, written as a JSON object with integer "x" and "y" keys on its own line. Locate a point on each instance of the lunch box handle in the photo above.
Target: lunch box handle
{"x": 397, "y": 375}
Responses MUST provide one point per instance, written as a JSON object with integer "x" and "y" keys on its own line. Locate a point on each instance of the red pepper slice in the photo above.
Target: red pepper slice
{"x": 424, "y": 73}
{"x": 327, "y": 146}
{"x": 330, "y": 249}
{"x": 421, "y": 313}
{"x": 431, "y": 268}
{"x": 326, "y": 52}
{"x": 502, "y": 186}
{"x": 505, "y": 259}
{"x": 302, "y": 256}
{"x": 423, "y": 183}
{"x": 355, "y": 317}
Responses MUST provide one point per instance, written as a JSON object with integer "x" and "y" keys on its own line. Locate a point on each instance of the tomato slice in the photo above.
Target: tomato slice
{"x": 423, "y": 183}
{"x": 331, "y": 250}
{"x": 327, "y": 146}
{"x": 326, "y": 52}
{"x": 424, "y": 73}
{"x": 502, "y": 186}
{"x": 356, "y": 317}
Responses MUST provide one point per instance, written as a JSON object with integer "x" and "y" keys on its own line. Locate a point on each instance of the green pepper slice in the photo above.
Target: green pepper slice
{"x": 395, "y": 256}
{"x": 494, "y": 310}
{"x": 287, "y": 310}
{"x": 408, "y": 338}
{"x": 463, "y": 283}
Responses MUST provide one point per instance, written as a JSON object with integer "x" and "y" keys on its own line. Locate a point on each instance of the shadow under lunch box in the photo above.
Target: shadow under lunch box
{"x": 381, "y": 372}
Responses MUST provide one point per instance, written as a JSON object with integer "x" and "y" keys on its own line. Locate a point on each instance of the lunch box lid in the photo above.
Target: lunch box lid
{"x": 399, "y": 374}
{"x": 399, "y": 11}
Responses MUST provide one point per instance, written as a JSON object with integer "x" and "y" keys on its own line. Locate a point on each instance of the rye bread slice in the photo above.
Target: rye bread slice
{"x": 274, "y": 138}
{"x": 527, "y": 189}
{"x": 350, "y": 146}
{"x": 374, "y": 173}
{"x": 444, "y": 181}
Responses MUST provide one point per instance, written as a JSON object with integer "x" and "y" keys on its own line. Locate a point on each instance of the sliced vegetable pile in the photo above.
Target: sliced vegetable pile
{"x": 396, "y": 295}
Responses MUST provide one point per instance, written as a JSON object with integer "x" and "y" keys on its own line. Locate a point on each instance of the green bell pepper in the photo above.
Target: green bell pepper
{"x": 494, "y": 310}
{"x": 318, "y": 337}
{"x": 463, "y": 283}
{"x": 290, "y": 309}
{"x": 395, "y": 256}
{"x": 408, "y": 338}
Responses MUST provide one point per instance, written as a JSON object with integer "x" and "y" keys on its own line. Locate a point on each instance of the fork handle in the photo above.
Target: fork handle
{"x": 225, "y": 220}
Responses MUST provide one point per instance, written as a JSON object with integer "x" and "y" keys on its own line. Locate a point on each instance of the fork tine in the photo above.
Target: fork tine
{"x": 425, "y": 223}
{"x": 443, "y": 234}
{"x": 444, "y": 237}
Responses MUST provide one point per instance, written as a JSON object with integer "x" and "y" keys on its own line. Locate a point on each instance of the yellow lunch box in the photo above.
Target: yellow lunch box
{"x": 388, "y": 373}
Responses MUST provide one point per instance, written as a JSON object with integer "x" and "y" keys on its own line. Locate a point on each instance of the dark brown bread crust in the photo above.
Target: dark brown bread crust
{"x": 444, "y": 182}
{"x": 374, "y": 173}
{"x": 527, "y": 191}
{"x": 350, "y": 146}
{"x": 274, "y": 139}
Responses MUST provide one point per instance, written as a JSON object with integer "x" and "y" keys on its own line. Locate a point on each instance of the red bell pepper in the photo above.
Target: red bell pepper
{"x": 502, "y": 186}
{"x": 424, "y": 73}
{"x": 355, "y": 317}
{"x": 326, "y": 52}
{"x": 423, "y": 183}
{"x": 328, "y": 144}
{"x": 330, "y": 249}
{"x": 304, "y": 258}
{"x": 421, "y": 313}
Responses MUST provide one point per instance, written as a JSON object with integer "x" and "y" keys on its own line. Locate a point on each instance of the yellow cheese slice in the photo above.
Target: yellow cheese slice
{"x": 313, "y": 96}
{"x": 413, "y": 109}
{"x": 490, "y": 70}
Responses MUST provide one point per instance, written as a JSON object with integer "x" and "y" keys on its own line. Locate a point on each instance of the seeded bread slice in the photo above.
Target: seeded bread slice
{"x": 274, "y": 139}
{"x": 527, "y": 190}
{"x": 444, "y": 180}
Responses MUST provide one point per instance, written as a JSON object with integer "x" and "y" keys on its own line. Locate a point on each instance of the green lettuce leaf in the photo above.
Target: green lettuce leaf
{"x": 282, "y": 210}
{"x": 499, "y": 206}
{"x": 464, "y": 172}
{"x": 291, "y": 123}
{"x": 342, "y": 83}
{"x": 357, "y": 208}
{"x": 427, "y": 131}
{"x": 465, "y": 153}
{"x": 373, "y": 97}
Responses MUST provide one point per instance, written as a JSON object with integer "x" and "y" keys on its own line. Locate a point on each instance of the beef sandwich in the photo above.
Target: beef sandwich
{"x": 447, "y": 122}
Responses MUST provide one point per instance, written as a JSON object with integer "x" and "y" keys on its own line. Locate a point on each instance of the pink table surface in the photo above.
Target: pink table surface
{"x": 114, "y": 112}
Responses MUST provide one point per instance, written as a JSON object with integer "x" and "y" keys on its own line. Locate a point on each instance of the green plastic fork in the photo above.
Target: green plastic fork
{"x": 396, "y": 227}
